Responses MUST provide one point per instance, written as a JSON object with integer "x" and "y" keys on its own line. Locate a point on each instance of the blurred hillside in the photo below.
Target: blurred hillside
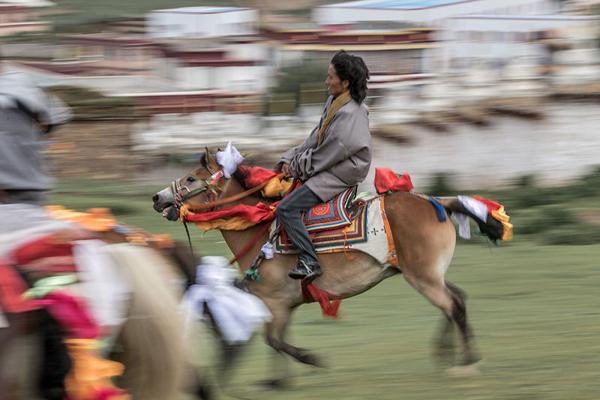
{"x": 79, "y": 11}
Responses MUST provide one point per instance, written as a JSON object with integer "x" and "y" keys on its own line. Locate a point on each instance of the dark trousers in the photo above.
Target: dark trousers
{"x": 289, "y": 215}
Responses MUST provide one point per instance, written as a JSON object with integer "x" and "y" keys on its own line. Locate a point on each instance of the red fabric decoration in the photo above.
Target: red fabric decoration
{"x": 490, "y": 204}
{"x": 387, "y": 180}
{"x": 254, "y": 176}
{"x": 312, "y": 292}
{"x": 41, "y": 248}
{"x": 258, "y": 213}
{"x": 72, "y": 313}
{"x": 12, "y": 288}
{"x": 110, "y": 393}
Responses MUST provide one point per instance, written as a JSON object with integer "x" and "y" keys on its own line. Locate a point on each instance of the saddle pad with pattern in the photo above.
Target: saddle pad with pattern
{"x": 368, "y": 232}
{"x": 332, "y": 214}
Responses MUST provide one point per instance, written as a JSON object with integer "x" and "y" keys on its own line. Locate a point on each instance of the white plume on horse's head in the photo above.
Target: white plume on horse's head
{"x": 229, "y": 159}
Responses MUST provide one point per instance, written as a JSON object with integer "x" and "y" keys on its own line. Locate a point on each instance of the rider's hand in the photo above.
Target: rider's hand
{"x": 285, "y": 168}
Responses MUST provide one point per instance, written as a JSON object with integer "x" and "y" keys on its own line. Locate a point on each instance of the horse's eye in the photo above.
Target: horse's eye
{"x": 191, "y": 179}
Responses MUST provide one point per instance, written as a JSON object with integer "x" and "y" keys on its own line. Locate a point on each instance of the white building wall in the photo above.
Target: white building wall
{"x": 193, "y": 22}
{"x": 195, "y": 78}
{"x": 244, "y": 79}
{"x": 231, "y": 79}
{"x": 249, "y": 51}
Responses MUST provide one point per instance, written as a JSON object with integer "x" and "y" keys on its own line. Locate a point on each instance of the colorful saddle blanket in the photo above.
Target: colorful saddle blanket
{"x": 333, "y": 214}
{"x": 368, "y": 232}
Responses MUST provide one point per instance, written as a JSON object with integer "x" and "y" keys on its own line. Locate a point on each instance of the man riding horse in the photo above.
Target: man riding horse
{"x": 27, "y": 116}
{"x": 334, "y": 157}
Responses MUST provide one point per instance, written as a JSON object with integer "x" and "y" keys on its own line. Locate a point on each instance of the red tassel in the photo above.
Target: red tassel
{"x": 41, "y": 248}
{"x": 329, "y": 308}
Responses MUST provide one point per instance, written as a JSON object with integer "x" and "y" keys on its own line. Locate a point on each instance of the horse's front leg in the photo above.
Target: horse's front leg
{"x": 275, "y": 338}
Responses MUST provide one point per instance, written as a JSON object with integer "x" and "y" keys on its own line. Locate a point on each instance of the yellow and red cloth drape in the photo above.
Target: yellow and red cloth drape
{"x": 497, "y": 212}
{"x": 236, "y": 218}
{"x": 242, "y": 216}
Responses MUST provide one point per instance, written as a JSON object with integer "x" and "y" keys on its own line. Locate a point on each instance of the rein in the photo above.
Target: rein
{"x": 255, "y": 239}
{"x": 227, "y": 200}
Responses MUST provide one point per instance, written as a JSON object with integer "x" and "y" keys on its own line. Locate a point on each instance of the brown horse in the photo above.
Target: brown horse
{"x": 424, "y": 245}
{"x": 149, "y": 343}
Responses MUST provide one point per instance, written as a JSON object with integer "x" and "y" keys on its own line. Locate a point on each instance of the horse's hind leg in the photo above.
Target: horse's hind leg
{"x": 459, "y": 315}
{"x": 444, "y": 343}
{"x": 450, "y": 300}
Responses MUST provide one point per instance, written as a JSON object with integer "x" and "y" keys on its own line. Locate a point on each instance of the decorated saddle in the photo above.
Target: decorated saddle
{"x": 343, "y": 224}
{"x": 334, "y": 214}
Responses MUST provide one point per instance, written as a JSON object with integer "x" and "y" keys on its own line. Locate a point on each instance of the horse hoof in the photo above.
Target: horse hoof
{"x": 311, "y": 359}
{"x": 462, "y": 371}
{"x": 275, "y": 384}
{"x": 472, "y": 358}
{"x": 203, "y": 392}
{"x": 444, "y": 355}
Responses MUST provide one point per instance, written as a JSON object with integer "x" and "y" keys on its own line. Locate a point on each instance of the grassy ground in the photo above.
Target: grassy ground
{"x": 535, "y": 311}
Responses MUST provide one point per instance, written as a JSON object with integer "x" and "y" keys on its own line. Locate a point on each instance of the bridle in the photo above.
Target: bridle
{"x": 182, "y": 193}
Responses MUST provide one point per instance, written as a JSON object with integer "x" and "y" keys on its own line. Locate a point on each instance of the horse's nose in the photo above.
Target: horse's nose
{"x": 155, "y": 198}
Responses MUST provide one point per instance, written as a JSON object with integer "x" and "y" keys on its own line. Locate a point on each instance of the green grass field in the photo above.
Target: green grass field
{"x": 535, "y": 310}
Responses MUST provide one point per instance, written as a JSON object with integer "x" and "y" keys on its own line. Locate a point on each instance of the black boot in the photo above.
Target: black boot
{"x": 304, "y": 270}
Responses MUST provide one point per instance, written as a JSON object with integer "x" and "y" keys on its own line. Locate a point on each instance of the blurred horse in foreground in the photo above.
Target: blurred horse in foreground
{"x": 149, "y": 343}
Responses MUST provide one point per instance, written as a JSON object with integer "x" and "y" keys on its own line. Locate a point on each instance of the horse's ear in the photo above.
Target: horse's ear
{"x": 209, "y": 160}
{"x": 202, "y": 158}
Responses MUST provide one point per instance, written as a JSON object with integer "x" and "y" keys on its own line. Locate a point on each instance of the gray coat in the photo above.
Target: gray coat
{"x": 342, "y": 160}
{"x": 24, "y": 108}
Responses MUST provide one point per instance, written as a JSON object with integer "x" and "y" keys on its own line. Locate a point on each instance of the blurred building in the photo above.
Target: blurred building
{"x": 201, "y": 22}
{"x": 22, "y": 16}
{"x": 426, "y": 12}
{"x": 237, "y": 65}
{"x": 582, "y": 6}
{"x": 499, "y": 40}
{"x": 476, "y": 33}
{"x": 99, "y": 54}
{"x": 391, "y": 50}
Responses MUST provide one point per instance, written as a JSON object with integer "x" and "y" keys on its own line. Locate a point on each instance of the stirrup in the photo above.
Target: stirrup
{"x": 305, "y": 271}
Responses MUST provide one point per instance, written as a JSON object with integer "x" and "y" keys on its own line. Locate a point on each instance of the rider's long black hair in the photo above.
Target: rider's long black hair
{"x": 353, "y": 69}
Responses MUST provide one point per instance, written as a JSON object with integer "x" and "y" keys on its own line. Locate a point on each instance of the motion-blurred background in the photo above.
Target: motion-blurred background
{"x": 499, "y": 98}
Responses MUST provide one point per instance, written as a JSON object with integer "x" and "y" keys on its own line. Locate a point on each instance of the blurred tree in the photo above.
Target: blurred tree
{"x": 442, "y": 185}
{"x": 291, "y": 79}
{"x": 301, "y": 82}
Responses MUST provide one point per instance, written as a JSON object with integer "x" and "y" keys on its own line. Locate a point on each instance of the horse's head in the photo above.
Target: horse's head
{"x": 202, "y": 185}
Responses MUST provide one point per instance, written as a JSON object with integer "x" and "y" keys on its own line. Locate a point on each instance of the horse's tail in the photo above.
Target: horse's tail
{"x": 491, "y": 227}
{"x": 151, "y": 338}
